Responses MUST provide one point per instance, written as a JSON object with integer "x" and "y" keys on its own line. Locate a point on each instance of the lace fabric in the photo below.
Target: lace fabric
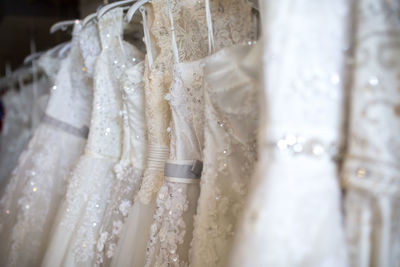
{"x": 229, "y": 154}
{"x": 157, "y": 82}
{"x": 294, "y": 203}
{"x": 78, "y": 224}
{"x": 30, "y": 200}
{"x": 171, "y": 231}
{"x": 232, "y": 24}
{"x": 129, "y": 169}
{"x": 169, "y": 242}
{"x": 371, "y": 167}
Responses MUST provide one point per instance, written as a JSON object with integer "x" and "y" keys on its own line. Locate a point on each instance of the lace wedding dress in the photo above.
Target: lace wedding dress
{"x": 171, "y": 231}
{"x": 131, "y": 249}
{"x": 371, "y": 169}
{"x": 129, "y": 169}
{"x": 293, "y": 215}
{"x": 76, "y": 230}
{"x": 31, "y": 198}
{"x": 231, "y": 120}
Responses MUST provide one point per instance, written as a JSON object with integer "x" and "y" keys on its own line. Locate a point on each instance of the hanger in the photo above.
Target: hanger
{"x": 111, "y": 6}
{"x": 132, "y": 10}
{"x": 88, "y": 19}
{"x": 32, "y": 57}
{"x": 63, "y": 25}
{"x": 64, "y": 49}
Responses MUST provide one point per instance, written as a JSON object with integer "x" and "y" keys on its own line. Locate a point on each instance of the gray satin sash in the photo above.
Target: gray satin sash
{"x": 183, "y": 171}
{"x": 80, "y": 132}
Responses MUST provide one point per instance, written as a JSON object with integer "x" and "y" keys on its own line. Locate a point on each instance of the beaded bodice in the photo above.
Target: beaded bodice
{"x": 106, "y": 124}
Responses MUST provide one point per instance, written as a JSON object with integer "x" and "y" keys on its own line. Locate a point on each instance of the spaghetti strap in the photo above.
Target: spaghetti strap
{"x": 146, "y": 32}
{"x": 211, "y": 43}
{"x": 173, "y": 38}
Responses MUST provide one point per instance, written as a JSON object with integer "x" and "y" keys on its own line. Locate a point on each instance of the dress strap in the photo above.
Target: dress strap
{"x": 120, "y": 39}
{"x": 211, "y": 43}
{"x": 173, "y": 38}
{"x": 146, "y": 32}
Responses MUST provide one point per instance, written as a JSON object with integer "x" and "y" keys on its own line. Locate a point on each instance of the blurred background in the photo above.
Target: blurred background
{"x": 25, "y": 24}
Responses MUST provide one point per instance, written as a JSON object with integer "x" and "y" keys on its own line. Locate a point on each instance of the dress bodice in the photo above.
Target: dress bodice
{"x": 106, "y": 124}
{"x": 134, "y": 92}
{"x": 70, "y": 98}
{"x": 186, "y": 103}
{"x": 232, "y": 24}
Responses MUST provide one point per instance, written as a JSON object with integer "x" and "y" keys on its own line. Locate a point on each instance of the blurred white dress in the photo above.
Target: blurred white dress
{"x": 23, "y": 111}
{"x": 293, "y": 215}
{"x": 372, "y": 164}
{"x": 30, "y": 201}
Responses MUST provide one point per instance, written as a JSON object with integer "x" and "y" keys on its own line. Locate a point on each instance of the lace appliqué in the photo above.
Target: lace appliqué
{"x": 168, "y": 228}
{"x": 228, "y": 167}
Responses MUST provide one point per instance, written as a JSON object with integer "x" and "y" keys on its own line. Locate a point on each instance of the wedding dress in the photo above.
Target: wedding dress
{"x": 371, "y": 169}
{"x": 76, "y": 230}
{"x": 24, "y": 110}
{"x": 131, "y": 249}
{"x": 171, "y": 231}
{"x": 293, "y": 215}
{"x": 31, "y": 198}
{"x": 16, "y": 130}
{"x": 231, "y": 120}
{"x": 129, "y": 169}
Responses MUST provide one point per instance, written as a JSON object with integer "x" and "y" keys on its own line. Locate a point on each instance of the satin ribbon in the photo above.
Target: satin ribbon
{"x": 183, "y": 171}
{"x": 80, "y": 132}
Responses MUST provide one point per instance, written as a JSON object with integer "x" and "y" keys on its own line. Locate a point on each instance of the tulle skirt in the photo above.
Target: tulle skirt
{"x": 76, "y": 229}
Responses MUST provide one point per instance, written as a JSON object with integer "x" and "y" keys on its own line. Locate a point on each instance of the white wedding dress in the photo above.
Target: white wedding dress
{"x": 76, "y": 229}
{"x": 23, "y": 111}
{"x": 30, "y": 201}
{"x": 231, "y": 122}
{"x": 293, "y": 216}
{"x": 129, "y": 169}
{"x": 371, "y": 169}
{"x": 15, "y": 132}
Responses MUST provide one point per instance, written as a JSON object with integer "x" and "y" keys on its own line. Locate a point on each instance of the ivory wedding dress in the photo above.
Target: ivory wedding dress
{"x": 30, "y": 201}
{"x": 76, "y": 229}
{"x": 293, "y": 216}
{"x": 371, "y": 169}
{"x": 172, "y": 228}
